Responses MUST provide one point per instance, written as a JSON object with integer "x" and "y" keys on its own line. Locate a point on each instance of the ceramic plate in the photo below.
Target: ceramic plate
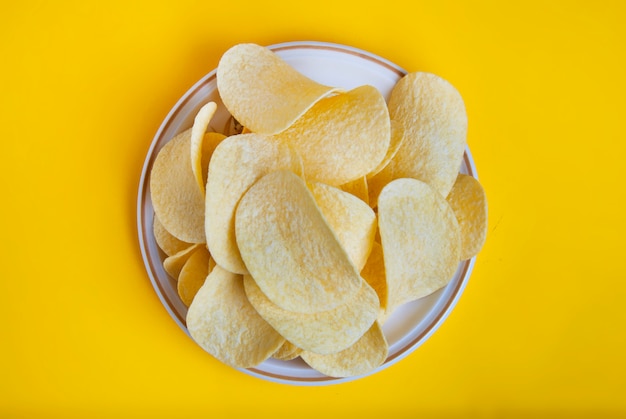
{"x": 333, "y": 65}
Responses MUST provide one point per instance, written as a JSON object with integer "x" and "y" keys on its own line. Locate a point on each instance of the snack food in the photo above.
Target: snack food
{"x": 372, "y": 175}
{"x": 420, "y": 239}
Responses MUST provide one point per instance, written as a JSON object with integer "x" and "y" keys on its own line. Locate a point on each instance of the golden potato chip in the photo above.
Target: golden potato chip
{"x": 342, "y": 137}
{"x": 351, "y": 219}
{"x": 200, "y": 124}
{"x": 357, "y": 188}
{"x": 263, "y": 92}
{"x": 224, "y": 323}
{"x": 364, "y": 356}
{"x": 177, "y": 201}
{"x": 289, "y": 248}
{"x": 432, "y": 114}
{"x": 324, "y": 332}
{"x": 238, "y": 162}
{"x": 209, "y": 144}
{"x": 396, "y": 140}
{"x": 166, "y": 242}
{"x": 420, "y": 240}
{"x": 469, "y": 203}
{"x": 376, "y": 183}
{"x": 374, "y": 274}
{"x": 287, "y": 352}
{"x": 174, "y": 264}
{"x": 194, "y": 272}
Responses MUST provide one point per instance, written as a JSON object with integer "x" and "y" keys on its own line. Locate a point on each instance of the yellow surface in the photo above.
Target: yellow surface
{"x": 540, "y": 329}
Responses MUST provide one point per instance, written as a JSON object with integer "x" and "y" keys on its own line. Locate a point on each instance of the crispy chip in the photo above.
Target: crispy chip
{"x": 166, "y": 242}
{"x": 263, "y": 92}
{"x": 420, "y": 240}
{"x": 374, "y": 274}
{"x": 324, "y": 332}
{"x": 289, "y": 248}
{"x": 194, "y": 272}
{"x": 177, "y": 201}
{"x": 200, "y": 124}
{"x": 396, "y": 140}
{"x": 432, "y": 115}
{"x": 469, "y": 203}
{"x": 222, "y": 321}
{"x": 376, "y": 183}
{"x": 174, "y": 264}
{"x": 287, "y": 352}
{"x": 209, "y": 144}
{"x": 237, "y": 163}
{"x": 342, "y": 137}
{"x": 352, "y": 220}
{"x": 364, "y": 356}
{"x": 358, "y": 188}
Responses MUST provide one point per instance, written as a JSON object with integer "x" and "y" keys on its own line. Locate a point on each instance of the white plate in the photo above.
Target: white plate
{"x": 334, "y": 65}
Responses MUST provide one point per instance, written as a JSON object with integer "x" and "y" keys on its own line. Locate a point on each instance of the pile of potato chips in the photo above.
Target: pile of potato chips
{"x": 301, "y": 235}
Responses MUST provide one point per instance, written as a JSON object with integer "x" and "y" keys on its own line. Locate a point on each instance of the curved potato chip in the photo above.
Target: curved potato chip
{"x": 376, "y": 183}
{"x": 209, "y": 144}
{"x": 193, "y": 274}
{"x": 287, "y": 352}
{"x": 357, "y": 188}
{"x": 374, "y": 274}
{"x": 200, "y": 124}
{"x": 177, "y": 201}
{"x": 237, "y": 163}
{"x": 289, "y": 248}
{"x": 342, "y": 137}
{"x": 420, "y": 240}
{"x": 166, "y": 242}
{"x": 432, "y": 113}
{"x": 395, "y": 141}
{"x": 174, "y": 264}
{"x": 365, "y": 355}
{"x": 351, "y": 219}
{"x": 324, "y": 332}
{"x": 224, "y": 323}
{"x": 469, "y": 203}
{"x": 262, "y": 91}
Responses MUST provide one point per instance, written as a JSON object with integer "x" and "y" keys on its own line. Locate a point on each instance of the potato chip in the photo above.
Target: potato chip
{"x": 376, "y": 183}
{"x": 287, "y": 352}
{"x": 364, "y": 356}
{"x": 357, "y": 188}
{"x": 342, "y": 137}
{"x": 177, "y": 201}
{"x": 224, "y": 323}
{"x": 166, "y": 242}
{"x": 469, "y": 203}
{"x": 432, "y": 113}
{"x": 374, "y": 274}
{"x": 420, "y": 240}
{"x": 263, "y": 92}
{"x": 209, "y": 144}
{"x": 324, "y": 332}
{"x": 200, "y": 124}
{"x": 289, "y": 248}
{"x": 395, "y": 141}
{"x": 194, "y": 272}
{"x": 174, "y": 264}
{"x": 236, "y": 164}
{"x": 351, "y": 219}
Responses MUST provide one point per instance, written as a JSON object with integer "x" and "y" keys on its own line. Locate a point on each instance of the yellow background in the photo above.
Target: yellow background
{"x": 540, "y": 328}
